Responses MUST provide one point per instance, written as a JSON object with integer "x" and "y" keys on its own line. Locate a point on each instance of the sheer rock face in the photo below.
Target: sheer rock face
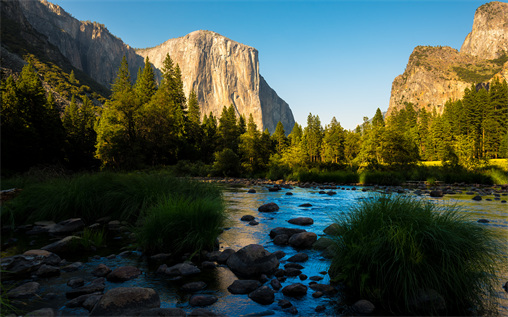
{"x": 435, "y": 75}
{"x": 489, "y": 37}
{"x": 223, "y": 72}
{"x": 89, "y": 46}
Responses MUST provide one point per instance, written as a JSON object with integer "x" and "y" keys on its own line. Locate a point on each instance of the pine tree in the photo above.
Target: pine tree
{"x": 228, "y": 129}
{"x": 279, "y": 138}
{"x": 333, "y": 142}
{"x": 249, "y": 147}
{"x": 378, "y": 119}
{"x": 146, "y": 85}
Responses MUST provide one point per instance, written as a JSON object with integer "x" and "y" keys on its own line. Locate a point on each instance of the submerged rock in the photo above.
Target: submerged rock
{"x": 287, "y": 231}
{"x": 123, "y": 274}
{"x": 302, "y": 221}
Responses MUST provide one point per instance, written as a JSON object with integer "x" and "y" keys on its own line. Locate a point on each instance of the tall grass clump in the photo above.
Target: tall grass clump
{"x": 179, "y": 224}
{"x": 390, "y": 249}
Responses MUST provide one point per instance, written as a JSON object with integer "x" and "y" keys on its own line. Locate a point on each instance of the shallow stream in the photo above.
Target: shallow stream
{"x": 239, "y": 234}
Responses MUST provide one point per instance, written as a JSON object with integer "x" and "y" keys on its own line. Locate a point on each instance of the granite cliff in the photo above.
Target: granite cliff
{"x": 221, "y": 71}
{"x": 434, "y": 75}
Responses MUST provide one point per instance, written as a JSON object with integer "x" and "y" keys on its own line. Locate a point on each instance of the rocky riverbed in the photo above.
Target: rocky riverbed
{"x": 272, "y": 259}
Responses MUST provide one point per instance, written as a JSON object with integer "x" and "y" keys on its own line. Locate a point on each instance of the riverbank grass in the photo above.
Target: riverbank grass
{"x": 155, "y": 200}
{"x": 391, "y": 249}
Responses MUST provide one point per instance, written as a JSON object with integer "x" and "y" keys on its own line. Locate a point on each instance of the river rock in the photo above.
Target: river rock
{"x": 252, "y": 261}
{"x": 224, "y": 256}
{"x": 322, "y": 243}
{"x": 332, "y": 229}
{"x": 302, "y": 221}
{"x": 436, "y": 193}
{"x": 62, "y": 245}
{"x": 161, "y": 257}
{"x": 275, "y": 284}
{"x": 289, "y": 193}
{"x": 47, "y": 271}
{"x": 483, "y": 221}
{"x": 281, "y": 239}
{"x": 26, "y": 290}
{"x": 284, "y": 303}
{"x": 287, "y": 231}
{"x": 101, "y": 270}
{"x": 194, "y": 286}
{"x": 182, "y": 269}
{"x": 78, "y": 301}
{"x": 97, "y": 285}
{"x": 305, "y": 205}
{"x": 123, "y": 273}
{"x": 201, "y": 312}
{"x": 202, "y": 300}
{"x": 126, "y": 300}
{"x": 251, "y": 191}
{"x": 72, "y": 267}
{"x": 67, "y": 226}
{"x": 325, "y": 288}
{"x": 47, "y": 257}
{"x": 292, "y": 272}
{"x": 293, "y": 266}
{"x": 299, "y": 257}
{"x": 243, "y": 286}
{"x": 295, "y": 290}
{"x": 43, "y": 312}
{"x": 75, "y": 282}
{"x": 263, "y": 295}
{"x": 303, "y": 240}
{"x": 477, "y": 198}
{"x": 247, "y": 218}
{"x": 253, "y": 223}
{"x": 172, "y": 312}
{"x": 270, "y": 207}
{"x": 279, "y": 254}
{"x": 363, "y": 307}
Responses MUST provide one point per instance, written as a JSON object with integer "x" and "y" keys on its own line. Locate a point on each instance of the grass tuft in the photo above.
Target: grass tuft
{"x": 390, "y": 248}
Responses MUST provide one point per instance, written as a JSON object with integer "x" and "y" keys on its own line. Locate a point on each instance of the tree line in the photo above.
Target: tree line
{"x": 146, "y": 124}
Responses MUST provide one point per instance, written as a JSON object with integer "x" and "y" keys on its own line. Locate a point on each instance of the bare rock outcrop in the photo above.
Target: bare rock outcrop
{"x": 435, "y": 75}
{"x": 489, "y": 37}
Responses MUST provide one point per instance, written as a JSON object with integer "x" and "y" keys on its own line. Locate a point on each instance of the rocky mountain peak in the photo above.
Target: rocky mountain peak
{"x": 489, "y": 36}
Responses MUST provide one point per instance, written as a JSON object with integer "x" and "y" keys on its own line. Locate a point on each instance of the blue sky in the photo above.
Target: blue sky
{"x": 330, "y": 58}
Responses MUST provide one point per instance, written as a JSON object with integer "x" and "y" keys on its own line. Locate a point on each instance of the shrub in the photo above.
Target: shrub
{"x": 227, "y": 163}
{"x": 390, "y": 248}
{"x": 381, "y": 177}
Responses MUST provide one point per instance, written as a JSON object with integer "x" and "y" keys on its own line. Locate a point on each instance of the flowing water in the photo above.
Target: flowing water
{"x": 239, "y": 234}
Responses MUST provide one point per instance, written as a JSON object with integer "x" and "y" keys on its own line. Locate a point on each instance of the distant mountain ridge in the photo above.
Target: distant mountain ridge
{"x": 434, "y": 75}
{"x": 221, "y": 71}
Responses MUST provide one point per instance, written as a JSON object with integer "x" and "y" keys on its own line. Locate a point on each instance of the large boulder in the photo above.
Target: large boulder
{"x": 270, "y": 207}
{"x": 303, "y": 240}
{"x": 252, "y": 261}
{"x": 125, "y": 301}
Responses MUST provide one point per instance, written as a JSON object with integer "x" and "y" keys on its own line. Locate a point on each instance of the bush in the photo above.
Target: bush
{"x": 227, "y": 163}
{"x": 391, "y": 248}
{"x": 381, "y": 178}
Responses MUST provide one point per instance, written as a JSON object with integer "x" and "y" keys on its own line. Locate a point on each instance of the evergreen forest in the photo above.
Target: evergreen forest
{"x": 145, "y": 125}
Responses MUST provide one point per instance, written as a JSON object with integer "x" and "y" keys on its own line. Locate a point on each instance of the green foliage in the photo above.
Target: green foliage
{"x": 227, "y": 163}
{"x": 182, "y": 224}
{"x": 32, "y": 132}
{"x": 374, "y": 177}
{"x": 390, "y": 248}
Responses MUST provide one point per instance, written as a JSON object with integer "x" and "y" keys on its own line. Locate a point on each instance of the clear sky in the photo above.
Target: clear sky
{"x": 330, "y": 58}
